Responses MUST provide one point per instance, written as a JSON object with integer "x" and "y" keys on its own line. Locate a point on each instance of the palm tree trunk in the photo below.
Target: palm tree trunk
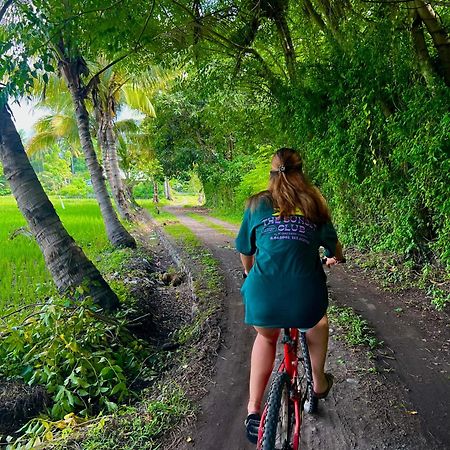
{"x": 167, "y": 194}
{"x": 119, "y": 192}
{"x": 155, "y": 191}
{"x": 68, "y": 265}
{"x": 116, "y": 232}
{"x": 122, "y": 206}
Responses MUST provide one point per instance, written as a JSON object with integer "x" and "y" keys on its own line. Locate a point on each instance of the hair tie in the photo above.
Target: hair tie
{"x": 285, "y": 170}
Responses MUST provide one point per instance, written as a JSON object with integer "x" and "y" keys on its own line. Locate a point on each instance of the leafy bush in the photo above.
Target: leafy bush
{"x": 86, "y": 360}
{"x": 78, "y": 187}
{"x": 143, "y": 190}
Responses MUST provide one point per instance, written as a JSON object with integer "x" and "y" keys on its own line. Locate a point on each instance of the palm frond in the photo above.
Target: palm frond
{"x": 65, "y": 126}
{"x": 44, "y": 124}
{"x": 138, "y": 99}
{"x": 53, "y": 94}
{"x": 126, "y": 126}
{"x": 40, "y": 142}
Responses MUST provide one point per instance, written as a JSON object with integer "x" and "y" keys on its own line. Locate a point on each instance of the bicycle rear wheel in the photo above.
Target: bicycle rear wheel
{"x": 279, "y": 418}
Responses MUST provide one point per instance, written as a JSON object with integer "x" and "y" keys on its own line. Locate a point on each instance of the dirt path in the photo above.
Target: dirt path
{"x": 401, "y": 405}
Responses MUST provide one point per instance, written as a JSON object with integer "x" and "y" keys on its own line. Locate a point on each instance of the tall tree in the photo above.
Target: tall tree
{"x": 67, "y": 263}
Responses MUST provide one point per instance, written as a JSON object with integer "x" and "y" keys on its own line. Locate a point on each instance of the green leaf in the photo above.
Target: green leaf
{"x": 110, "y": 405}
{"x": 118, "y": 388}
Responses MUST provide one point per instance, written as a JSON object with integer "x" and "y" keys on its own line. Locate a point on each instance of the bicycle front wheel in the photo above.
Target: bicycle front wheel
{"x": 278, "y": 424}
{"x": 311, "y": 402}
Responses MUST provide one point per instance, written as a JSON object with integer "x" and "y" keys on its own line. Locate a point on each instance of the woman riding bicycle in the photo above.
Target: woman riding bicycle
{"x": 279, "y": 242}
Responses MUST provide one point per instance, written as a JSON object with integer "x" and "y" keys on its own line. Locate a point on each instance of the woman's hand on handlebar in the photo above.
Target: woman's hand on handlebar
{"x": 332, "y": 261}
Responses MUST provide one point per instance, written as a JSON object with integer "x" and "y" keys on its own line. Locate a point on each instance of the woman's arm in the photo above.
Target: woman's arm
{"x": 247, "y": 262}
{"x": 339, "y": 256}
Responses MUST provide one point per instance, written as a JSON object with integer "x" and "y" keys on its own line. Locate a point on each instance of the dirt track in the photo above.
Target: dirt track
{"x": 402, "y": 406}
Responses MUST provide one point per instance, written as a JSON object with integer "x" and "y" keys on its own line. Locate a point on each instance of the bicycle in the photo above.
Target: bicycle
{"x": 291, "y": 392}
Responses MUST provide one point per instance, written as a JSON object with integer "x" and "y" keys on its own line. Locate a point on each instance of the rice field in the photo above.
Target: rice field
{"x": 24, "y": 278}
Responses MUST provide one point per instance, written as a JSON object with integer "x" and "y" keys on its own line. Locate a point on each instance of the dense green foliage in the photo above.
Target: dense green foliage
{"x": 360, "y": 88}
{"x": 372, "y": 126}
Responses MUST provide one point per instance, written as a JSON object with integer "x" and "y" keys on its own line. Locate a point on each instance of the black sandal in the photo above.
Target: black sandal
{"x": 252, "y": 426}
{"x": 330, "y": 380}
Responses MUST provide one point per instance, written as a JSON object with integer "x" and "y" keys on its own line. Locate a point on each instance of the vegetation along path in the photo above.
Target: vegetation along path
{"x": 392, "y": 394}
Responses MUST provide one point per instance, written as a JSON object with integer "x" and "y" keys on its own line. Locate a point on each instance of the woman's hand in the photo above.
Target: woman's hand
{"x": 331, "y": 261}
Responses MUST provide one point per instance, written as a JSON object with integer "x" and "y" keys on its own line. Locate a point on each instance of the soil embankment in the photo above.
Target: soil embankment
{"x": 401, "y": 402}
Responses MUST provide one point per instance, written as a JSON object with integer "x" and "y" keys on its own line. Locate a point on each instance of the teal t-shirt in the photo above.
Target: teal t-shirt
{"x": 286, "y": 286}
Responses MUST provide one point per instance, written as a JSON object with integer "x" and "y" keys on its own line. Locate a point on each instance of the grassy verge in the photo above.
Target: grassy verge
{"x": 232, "y": 217}
{"x": 352, "y": 328}
{"x": 140, "y": 426}
{"x": 167, "y": 407}
{"x": 221, "y": 229}
{"x": 157, "y": 212}
{"x": 207, "y": 283}
{"x": 397, "y": 274}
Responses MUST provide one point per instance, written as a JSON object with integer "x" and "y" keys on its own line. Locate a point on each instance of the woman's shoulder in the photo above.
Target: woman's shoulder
{"x": 261, "y": 200}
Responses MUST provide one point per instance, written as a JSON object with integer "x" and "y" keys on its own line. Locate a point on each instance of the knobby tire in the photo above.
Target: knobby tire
{"x": 279, "y": 417}
{"x": 311, "y": 402}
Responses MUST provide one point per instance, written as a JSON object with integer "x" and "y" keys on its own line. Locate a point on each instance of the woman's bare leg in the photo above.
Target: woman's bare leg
{"x": 263, "y": 358}
{"x": 317, "y": 338}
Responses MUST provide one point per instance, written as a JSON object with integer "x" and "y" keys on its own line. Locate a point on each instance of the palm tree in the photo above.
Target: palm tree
{"x": 71, "y": 71}
{"x": 108, "y": 93}
{"x": 72, "y": 68}
{"x": 112, "y": 90}
{"x": 68, "y": 265}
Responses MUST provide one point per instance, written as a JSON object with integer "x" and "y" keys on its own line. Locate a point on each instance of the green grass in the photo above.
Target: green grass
{"x": 140, "y": 426}
{"x": 354, "y": 330}
{"x": 23, "y": 275}
{"x": 233, "y": 217}
{"x": 210, "y": 224}
{"x": 130, "y": 427}
{"x": 157, "y": 212}
{"x": 178, "y": 199}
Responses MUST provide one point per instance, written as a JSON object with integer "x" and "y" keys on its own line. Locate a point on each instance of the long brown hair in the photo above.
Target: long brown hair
{"x": 289, "y": 190}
